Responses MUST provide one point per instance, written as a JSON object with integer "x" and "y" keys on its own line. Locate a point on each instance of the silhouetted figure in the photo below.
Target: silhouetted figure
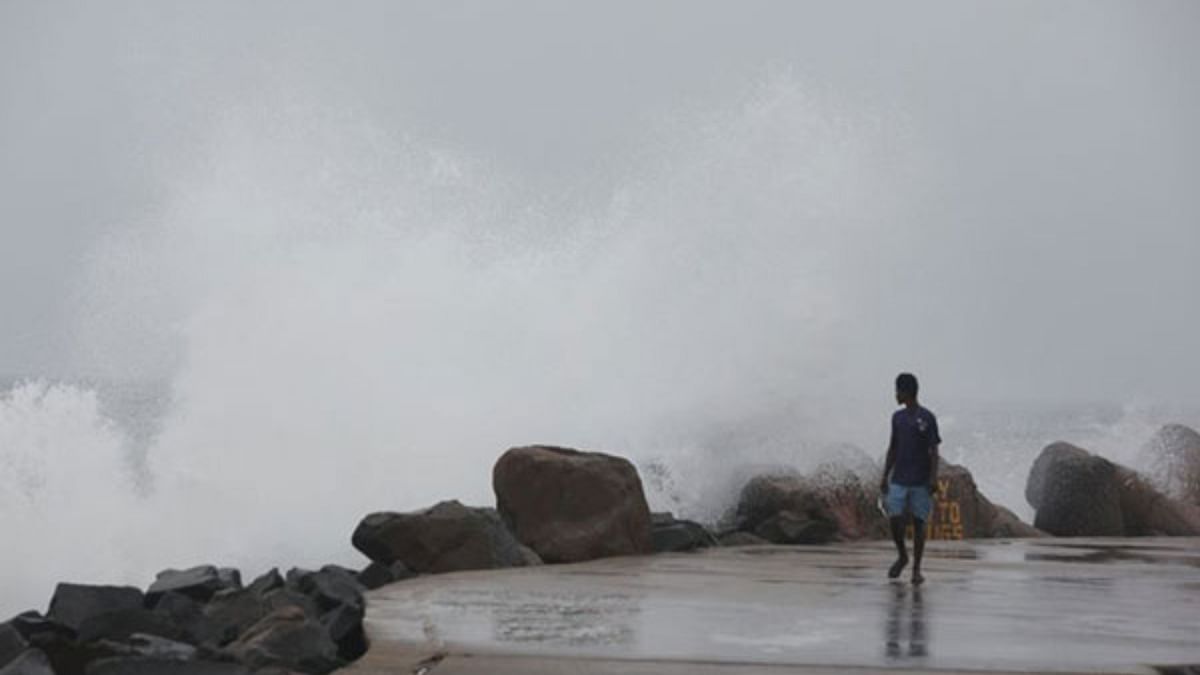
{"x": 910, "y": 473}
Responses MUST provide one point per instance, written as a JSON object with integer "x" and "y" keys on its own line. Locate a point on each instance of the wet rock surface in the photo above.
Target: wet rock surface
{"x": 199, "y": 621}
{"x": 28, "y": 662}
{"x": 199, "y": 583}
{"x": 447, "y": 537}
{"x": 837, "y": 504}
{"x": 1077, "y": 494}
{"x": 73, "y": 604}
{"x": 671, "y": 535}
{"x": 569, "y": 506}
{"x": 288, "y": 637}
{"x": 961, "y": 511}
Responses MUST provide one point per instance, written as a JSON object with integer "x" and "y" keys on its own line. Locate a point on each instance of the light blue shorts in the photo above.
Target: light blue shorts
{"x": 914, "y": 499}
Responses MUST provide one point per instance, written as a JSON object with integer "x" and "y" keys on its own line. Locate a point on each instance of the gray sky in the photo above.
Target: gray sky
{"x": 1061, "y": 241}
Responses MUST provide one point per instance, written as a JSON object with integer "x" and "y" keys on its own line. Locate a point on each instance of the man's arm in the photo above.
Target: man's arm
{"x": 933, "y": 469}
{"x": 889, "y": 462}
{"x": 935, "y": 443}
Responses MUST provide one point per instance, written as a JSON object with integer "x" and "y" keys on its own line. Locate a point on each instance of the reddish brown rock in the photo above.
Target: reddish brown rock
{"x": 848, "y": 505}
{"x": 447, "y": 537}
{"x": 961, "y": 511}
{"x": 570, "y": 506}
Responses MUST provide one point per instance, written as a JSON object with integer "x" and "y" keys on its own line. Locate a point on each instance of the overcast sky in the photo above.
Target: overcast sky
{"x": 1065, "y": 134}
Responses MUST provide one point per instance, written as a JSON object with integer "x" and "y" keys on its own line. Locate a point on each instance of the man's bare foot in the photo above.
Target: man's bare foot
{"x": 917, "y": 578}
{"x": 898, "y": 567}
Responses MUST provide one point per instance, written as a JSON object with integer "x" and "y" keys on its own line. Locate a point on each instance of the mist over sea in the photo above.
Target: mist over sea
{"x": 267, "y": 268}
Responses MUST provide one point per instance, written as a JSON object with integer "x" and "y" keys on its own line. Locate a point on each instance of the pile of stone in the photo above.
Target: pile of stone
{"x": 839, "y": 504}
{"x": 199, "y": 621}
{"x": 555, "y": 505}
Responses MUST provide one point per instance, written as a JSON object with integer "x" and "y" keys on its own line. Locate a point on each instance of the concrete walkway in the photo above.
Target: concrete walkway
{"x": 1034, "y": 605}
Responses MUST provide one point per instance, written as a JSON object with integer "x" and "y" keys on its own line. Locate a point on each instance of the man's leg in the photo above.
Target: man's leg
{"x": 918, "y": 549}
{"x": 898, "y": 537}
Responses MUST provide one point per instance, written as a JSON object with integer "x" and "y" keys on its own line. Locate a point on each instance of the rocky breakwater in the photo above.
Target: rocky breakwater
{"x": 839, "y": 504}
{"x": 1079, "y": 494}
{"x": 199, "y": 621}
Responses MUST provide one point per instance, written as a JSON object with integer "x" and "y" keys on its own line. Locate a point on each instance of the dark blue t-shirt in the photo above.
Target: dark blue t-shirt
{"x": 914, "y": 433}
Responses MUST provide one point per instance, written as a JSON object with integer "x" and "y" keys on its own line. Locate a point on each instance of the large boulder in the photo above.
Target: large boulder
{"x": 788, "y": 508}
{"x": 73, "y": 604}
{"x": 570, "y": 506}
{"x": 961, "y": 511}
{"x": 287, "y": 637}
{"x": 445, "y": 538}
{"x": 1079, "y": 494}
{"x": 200, "y": 583}
{"x": 330, "y": 587}
{"x": 1074, "y": 493}
{"x": 1172, "y": 462}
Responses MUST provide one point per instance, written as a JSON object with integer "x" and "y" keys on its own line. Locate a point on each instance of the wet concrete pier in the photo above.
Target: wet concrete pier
{"x": 1025, "y": 606}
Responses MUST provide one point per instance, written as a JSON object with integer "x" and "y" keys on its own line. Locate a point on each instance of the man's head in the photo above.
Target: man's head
{"x": 906, "y": 388}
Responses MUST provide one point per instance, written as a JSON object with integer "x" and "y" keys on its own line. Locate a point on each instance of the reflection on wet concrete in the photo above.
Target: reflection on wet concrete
{"x": 567, "y": 619}
{"x": 905, "y": 635}
{"x": 1037, "y": 605}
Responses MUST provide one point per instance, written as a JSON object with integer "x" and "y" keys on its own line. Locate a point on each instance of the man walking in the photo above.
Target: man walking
{"x": 910, "y": 473}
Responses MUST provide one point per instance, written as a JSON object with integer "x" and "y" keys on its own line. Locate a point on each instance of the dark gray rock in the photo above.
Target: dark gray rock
{"x": 742, "y": 539}
{"x": 445, "y": 538}
{"x": 669, "y": 535}
{"x": 789, "y": 527}
{"x": 199, "y": 583}
{"x": 29, "y": 662}
{"x": 1075, "y": 493}
{"x": 58, "y": 643}
{"x": 37, "y": 629}
{"x": 124, "y": 665}
{"x": 266, "y": 583}
{"x": 12, "y": 643}
{"x": 229, "y": 614}
{"x": 231, "y": 578}
{"x": 287, "y": 597}
{"x": 123, "y": 623}
{"x": 73, "y": 604}
{"x": 345, "y": 627}
{"x": 188, "y": 615}
{"x": 139, "y": 646}
{"x": 570, "y": 506}
{"x": 287, "y": 637}
{"x": 330, "y": 587}
{"x": 378, "y": 575}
